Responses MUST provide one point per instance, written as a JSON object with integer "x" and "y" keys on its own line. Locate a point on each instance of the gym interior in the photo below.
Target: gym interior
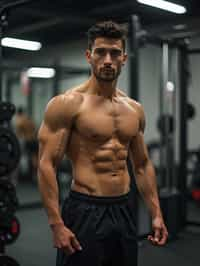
{"x": 162, "y": 73}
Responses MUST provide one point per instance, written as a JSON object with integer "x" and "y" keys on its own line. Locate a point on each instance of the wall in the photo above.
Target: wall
{"x": 149, "y": 84}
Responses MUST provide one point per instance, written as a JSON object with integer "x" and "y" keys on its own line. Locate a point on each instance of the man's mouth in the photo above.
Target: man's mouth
{"x": 108, "y": 70}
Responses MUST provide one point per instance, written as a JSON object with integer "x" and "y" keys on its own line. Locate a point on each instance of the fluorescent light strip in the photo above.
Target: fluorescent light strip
{"x": 41, "y": 72}
{"x": 21, "y": 44}
{"x": 178, "y": 9}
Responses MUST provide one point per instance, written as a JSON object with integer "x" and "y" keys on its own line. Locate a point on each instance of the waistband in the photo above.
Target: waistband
{"x": 99, "y": 199}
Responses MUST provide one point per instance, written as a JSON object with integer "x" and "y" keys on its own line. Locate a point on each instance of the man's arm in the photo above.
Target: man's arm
{"x": 53, "y": 136}
{"x": 146, "y": 180}
{"x": 53, "y": 139}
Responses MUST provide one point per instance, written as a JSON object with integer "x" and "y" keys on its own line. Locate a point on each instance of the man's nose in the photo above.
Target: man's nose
{"x": 107, "y": 59}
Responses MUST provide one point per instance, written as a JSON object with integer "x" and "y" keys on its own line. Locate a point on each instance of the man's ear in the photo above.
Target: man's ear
{"x": 124, "y": 59}
{"x": 88, "y": 55}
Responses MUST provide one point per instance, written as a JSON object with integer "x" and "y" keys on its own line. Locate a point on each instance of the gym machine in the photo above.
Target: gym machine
{"x": 9, "y": 159}
{"x": 172, "y": 191}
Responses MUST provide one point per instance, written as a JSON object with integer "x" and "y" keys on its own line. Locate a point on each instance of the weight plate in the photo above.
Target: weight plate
{"x": 8, "y": 201}
{"x": 9, "y": 232}
{"x": 9, "y": 151}
{"x": 7, "y": 111}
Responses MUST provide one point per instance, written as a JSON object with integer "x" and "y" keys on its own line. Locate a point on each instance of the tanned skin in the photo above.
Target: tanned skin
{"x": 25, "y": 127}
{"x": 96, "y": 125}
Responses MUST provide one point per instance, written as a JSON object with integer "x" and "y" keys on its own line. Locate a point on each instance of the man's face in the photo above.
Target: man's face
{"x": 106, "y": 58}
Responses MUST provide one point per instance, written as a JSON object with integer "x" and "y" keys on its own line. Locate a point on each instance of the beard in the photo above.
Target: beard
{"x": 106, "y": 74}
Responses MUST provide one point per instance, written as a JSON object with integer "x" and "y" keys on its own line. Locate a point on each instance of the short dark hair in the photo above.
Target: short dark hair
{"x": 107, "y": 29}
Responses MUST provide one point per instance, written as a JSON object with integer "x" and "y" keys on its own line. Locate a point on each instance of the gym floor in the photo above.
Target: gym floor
{"x": 34, "y": 245}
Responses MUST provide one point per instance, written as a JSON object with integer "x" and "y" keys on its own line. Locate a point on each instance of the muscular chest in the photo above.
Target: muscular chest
{"x": 102, "y": 120}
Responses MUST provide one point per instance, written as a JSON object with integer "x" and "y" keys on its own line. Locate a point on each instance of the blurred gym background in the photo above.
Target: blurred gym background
{"x": 162, "y": 73}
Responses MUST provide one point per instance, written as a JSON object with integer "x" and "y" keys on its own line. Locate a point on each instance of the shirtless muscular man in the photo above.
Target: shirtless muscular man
{"x": 97, "y": 125}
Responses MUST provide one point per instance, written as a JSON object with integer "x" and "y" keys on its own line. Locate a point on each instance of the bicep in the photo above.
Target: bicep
{"x": 55, "y": 129}
{"x": 52, "y": 144}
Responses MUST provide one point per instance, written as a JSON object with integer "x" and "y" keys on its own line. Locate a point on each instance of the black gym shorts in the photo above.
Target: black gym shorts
{"x": 105, "y": 228}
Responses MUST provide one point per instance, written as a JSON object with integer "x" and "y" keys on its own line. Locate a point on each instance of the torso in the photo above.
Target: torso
{"x": 99, "y": 142}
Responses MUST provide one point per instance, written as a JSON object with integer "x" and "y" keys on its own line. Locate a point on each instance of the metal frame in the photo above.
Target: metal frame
{"x": 183, "y": 77}
{"x": 181, "y": 45}
{"x": 185, "y": 57}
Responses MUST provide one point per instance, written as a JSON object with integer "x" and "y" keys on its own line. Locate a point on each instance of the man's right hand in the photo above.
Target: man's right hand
{"x": 65, "y": 239}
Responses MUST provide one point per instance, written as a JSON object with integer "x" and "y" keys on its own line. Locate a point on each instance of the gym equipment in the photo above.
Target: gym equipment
{"x": 193, "y": 161}
{"x": 8, "y": 200}
{"x": 191, "y": 112}
{"x": 8, "y": 261}
{"x": 7, "y": 111}
{"x": 193, "y": 166}
{"x": 170, "y": 196}
{"x": 9, "y": 157}
{"x": 166, "y": 120}
{"x": 9, "y": 232}
{"x": 9, "y": 145}
{"x": 9, "y": 151}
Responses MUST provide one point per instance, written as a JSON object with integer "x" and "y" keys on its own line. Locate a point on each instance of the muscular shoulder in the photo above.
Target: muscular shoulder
{"x": 62, "y": 109}
{"x": 77, "y": 90}
{"x": 139, "y": 110}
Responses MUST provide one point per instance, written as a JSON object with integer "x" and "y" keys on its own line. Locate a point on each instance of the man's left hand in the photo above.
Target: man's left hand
{"x": 160, "y": 234}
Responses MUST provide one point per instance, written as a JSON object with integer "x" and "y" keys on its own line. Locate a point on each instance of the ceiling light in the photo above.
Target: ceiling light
{"x": 41, "y": 72}
{"x": 178, "y": 9}
{"x": 21, "y": 44}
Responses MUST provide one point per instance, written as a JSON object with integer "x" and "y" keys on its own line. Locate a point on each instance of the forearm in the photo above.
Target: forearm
{"x": 49, "y": 191}
{"x": 147, "y": 186}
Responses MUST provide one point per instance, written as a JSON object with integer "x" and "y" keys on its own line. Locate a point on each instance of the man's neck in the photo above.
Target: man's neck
{"x": 102, "y": 88}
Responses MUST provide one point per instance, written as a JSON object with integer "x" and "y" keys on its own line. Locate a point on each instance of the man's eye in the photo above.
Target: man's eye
{"x": 115, "y": 53}
{"x": 112, "y": 52}
{"x": 100, "y": 51}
